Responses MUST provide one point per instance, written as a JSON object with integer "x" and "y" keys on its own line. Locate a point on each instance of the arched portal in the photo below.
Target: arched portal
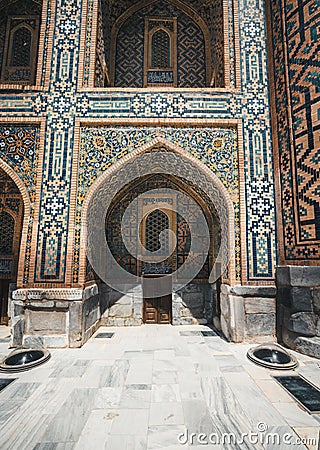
{"x": 190, "y": 36}
{"x": 148, "y": 198}
{"x": 11, "y": 222}
{"x": 156, "y": 158}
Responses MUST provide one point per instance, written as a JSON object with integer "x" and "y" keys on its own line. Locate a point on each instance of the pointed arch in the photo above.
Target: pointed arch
{"x": 190, "y": 12}
{"x": 188, "y": 167}
{"x": 26, "y": 216}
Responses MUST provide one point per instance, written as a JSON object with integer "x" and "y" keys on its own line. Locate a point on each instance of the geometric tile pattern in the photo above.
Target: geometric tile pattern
{"x": 129, "y": 53}
{"x": 156, "y": 222}
{"x": 258, "y": 161}
{"x": 6, "y": 233}
{"x": 296, "y": 42}
{"x": 60, "y": 106}
{"x": 191, "y": 54}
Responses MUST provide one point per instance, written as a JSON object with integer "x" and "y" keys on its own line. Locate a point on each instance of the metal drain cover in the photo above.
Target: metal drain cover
{"x": 4, "y": 382}
{"x": 208, "y": 333}
{"x": 21, "y": 360}
{"x": 104, "y": 336}
{"x": 272, "y": 356}
{"x": 302, "y": 391}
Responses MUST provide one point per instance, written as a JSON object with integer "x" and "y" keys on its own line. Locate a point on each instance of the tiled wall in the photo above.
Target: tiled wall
{"x": 63, "y": 106}
{"x": 296, "y": 89}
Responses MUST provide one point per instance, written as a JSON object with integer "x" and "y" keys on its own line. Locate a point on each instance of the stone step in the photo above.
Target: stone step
{"x": 308, "y": 345}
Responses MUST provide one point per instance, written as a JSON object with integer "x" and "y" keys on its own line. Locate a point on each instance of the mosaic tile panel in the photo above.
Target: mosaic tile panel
{"x": 103, "y": 146}
{"x": 129, "y": 53}
{"x": 298, "y": 118}
{"x": 257, "y": 137}
{"x": 19, "y": 148}
{"x": 60, "y": 108}
{"x": 191, "y": 54}
{"x": 6, "y": 233}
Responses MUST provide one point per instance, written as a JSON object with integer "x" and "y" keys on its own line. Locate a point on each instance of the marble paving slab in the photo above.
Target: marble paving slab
{"x": 143, "y": 389}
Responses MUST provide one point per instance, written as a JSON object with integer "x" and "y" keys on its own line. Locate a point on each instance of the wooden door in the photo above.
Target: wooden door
{"x": 157, "y": 310}
{"x": 164, "y": 307}
{"x": 150, "y": 310}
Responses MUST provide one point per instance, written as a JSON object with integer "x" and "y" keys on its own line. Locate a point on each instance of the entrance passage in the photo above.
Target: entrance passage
{"x": 156, "y": 214}
{"x": 156, "y": 309}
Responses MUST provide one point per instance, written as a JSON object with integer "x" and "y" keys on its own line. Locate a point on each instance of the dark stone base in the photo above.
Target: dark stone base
{"x": 308, "y": 346}
{"x": 298, "y": 308}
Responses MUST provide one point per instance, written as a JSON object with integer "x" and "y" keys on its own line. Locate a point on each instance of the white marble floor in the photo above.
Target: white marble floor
{"x": 151, "y": 388}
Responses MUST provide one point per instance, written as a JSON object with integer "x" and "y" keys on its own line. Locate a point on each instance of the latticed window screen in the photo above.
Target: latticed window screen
{"x": 6, "y": 233}
{"x": 116, "y": 227}
{"x": 21, "y": 48}
{"x": 160, "y": 56}
{"x": 156, "y": 222}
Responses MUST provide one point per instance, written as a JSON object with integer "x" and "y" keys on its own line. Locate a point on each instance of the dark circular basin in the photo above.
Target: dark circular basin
{"x": 25, "y": 359}
{"x": 272, "y": 356}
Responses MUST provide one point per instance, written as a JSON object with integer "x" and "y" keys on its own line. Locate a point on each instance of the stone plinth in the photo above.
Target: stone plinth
{"x": 54, "y": 318}
{"x": 298, "y": 306}
{"x": 248, "y": 313}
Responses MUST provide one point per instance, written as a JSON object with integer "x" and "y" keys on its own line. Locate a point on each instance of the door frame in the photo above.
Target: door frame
{"x": 144, "y": 297}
